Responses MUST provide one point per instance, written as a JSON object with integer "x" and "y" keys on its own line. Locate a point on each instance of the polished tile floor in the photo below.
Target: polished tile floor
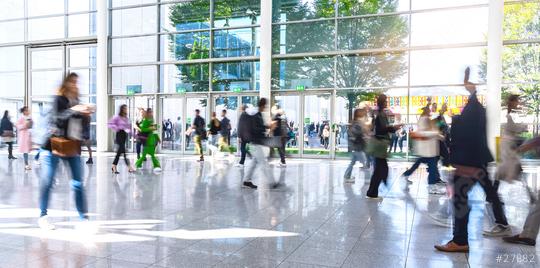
{"x": 197, "y": 215}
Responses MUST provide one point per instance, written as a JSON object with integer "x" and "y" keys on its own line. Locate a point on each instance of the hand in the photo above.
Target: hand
{"x": 83, "y": 109}
{"x": 471, "y": 87}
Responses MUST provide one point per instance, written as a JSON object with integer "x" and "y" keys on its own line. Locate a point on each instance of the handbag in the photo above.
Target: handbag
{"x": 63, "y": 147}
{"x": 8, "y": 134}
{"x": 377, "y": 148}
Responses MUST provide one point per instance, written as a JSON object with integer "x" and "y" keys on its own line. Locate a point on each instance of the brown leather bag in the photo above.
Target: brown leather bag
{"x": 63, "y": 147}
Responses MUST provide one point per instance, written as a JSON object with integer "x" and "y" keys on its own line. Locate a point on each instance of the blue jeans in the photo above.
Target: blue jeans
{"x": 355, "y": 156}
{"x": 433, "y": 170}
{"x": 49, "y": 165}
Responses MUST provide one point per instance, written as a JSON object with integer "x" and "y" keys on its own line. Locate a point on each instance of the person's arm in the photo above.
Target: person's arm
{"x": 21, "y": 124}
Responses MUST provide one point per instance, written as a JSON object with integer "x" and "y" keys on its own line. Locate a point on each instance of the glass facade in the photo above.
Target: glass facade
{"x": 42, "y": 40}
{"x": 333, "y": 53}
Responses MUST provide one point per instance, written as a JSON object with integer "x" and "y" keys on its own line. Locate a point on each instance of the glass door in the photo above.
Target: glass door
{"x": 195, "y": 103}
{"x": 173, "y": 123}
{"x": 321, "y": 133}
{"x": 290, "y": 105}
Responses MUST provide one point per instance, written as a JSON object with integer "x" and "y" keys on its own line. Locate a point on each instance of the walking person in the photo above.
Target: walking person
{"x": 62, "y": 144}
{"x": 393, "y": 141}
{"x": 7, "y": 134}
{"x": 140, "y": 139}
{"x": 148, "y": 128}
{"x": 326, "y": 136}
{"x": 199, "y": 126}
{"x": 469, "y": 154}
{"x": 357, "y": 143}
{"x": 259, "y": 151}
{"x": 24, "y": 139}
{"x": 244, "y": 134}
{"x": 224, "y": 132}
{"x": 281, "y": 134}
{"x": 402, "y": 138}
{"x": 427, "y": 149}
{"x": 379, "y": 147}
{"x": 121, "y": 125}
{"x": 213, "y": 134}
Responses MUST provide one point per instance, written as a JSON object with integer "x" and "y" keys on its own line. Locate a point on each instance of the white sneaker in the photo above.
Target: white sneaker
{"x": 37, "y": 163}
{"x": 499, "y": 230}
{"x": 239, "y": 165}
{"x": 157, "y": 170}
{"x": 436, "y": 190}
{"x": 349, "y": 180}
{"x": 282, "y": 165}
{"x": 86, "y": 227}
{"x": 44, "y": 224}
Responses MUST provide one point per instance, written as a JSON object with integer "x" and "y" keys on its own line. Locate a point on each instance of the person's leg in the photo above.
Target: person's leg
{"x": 348, "y": 171}
{"x": 10, "y": 150}
{"x": 281, "y": 151}
{"x": 78, "y": 186}
{"x": 50, "y": 162}
{"x": 243, "y": 152}
{"x": 198, "y": 146}
{"x": 141, "y": 159}
{"x": 413, "y": 168}
{"x": 433, "y": 170}
{"x": 117, "y": 156}
{"x": 36, "y": 157}
{"x": 532, "y": 222}
{"x": 25, "y": 156}
{"x": 462, "y": 186}
{"x": 493, "y": 197}
{"x": 138, "y": 149}
{"x": 400, "y": 143}
{"x": 89, "y": 147}
{"x": 257, "y": 154}
{"x": 377, "y": 177}
{"x": 155, "y": 161}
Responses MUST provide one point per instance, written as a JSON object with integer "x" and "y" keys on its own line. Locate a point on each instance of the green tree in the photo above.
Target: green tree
{"x": 521, "y": 63}
{"x": 357, "y": 74}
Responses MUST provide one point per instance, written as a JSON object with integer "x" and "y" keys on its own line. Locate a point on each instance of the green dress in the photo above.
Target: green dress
{"x": 150, "y": 145}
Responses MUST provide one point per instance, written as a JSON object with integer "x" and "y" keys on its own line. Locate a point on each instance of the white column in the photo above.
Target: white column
{"x": 494, "y": 71}
{"x": 102, "y": 98}
{"x": 266, "y": 49}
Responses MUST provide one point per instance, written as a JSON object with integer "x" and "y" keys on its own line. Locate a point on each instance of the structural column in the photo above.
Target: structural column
{"x": 102, "y": 98}
{"x": 494, "y": 71}
{"x": 266, "y": 49}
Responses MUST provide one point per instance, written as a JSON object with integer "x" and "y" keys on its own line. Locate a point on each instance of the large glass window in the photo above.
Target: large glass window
{"x": 428, "y": 4}
{"x": 373, "y": 32}
{"x": 82, "y": 25}
{"x": 185, "y": 16}
{"x": 123, "y": 52}
{"x": 301, "y": 74}
{"x": 180, "y": 78}
{"x": 230, "y": 13}
{"x": 46, "y": 28}
{"x": 236, "y": 43}
{"x": 45, "y": 7}
{"x": 11, "y": 9}
{"x": 285, "y": 10}
{"x": 236, "y": 76}
{"x": 132, "y": 21}
{"x": 348, "y": 8}
{"x": 185, "y": 46}
{"x": 137, "y": 79}
{"x": 303, "y": 37}
{"x": 388, "y": 69}
{"x": 521, "y": 21}
{"x": 12, "y": 31}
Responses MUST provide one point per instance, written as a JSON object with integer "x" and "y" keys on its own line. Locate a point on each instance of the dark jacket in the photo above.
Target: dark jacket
{"x": 356, "y": 137}
{"x": 215, "y": 127}
{"x": 243, "y": 127}
{"x": 258, "y": 129}
{"x": 5, "y": 125}
{"x": 468, "y": 138}
{"x": 225, "y": 127}
{"x": 382, "y": 127}
{"x": 200, "y": 126}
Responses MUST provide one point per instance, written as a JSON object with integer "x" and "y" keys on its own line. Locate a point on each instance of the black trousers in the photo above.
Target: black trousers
{"x": 10, "y": 149}
{"x": 121, "y": 137}
{"x": 462, "y": 186}
{"x": 243, "y": 152}
{"x": 380, "y": 174}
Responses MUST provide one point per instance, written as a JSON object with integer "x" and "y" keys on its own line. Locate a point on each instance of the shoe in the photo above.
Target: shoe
{"x": 498, "y": 230}
{"x": 239, "y": 165}
{"x": 374, "y": 197}
{"x": 248, "y": 184}
{"x": 519, "y": 240}
{"x": 12, "y": 157}
{"x": 201, "y": 159}
{"x": 349, "y": 180}
{"x": 44, "y": 224}
{"x": 27, "y": 167}
{"x": 90, "y": 161}
{"x": 452, "y": 247}
{"x": 157, "y": 170}
{"x": 434, "y": 189}
{"x": 37, "y": 163}
{"x": 132, "y": 170}
{"x": 114, "y": 171}
{"x": 440, "y": 220}
{"x": 282, "y": 165}
{"x": 86, "y": 227}
{"x": 440, "y": 183}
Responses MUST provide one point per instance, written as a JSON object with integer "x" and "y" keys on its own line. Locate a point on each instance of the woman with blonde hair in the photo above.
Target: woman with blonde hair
{"x": 63, "y": 143}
